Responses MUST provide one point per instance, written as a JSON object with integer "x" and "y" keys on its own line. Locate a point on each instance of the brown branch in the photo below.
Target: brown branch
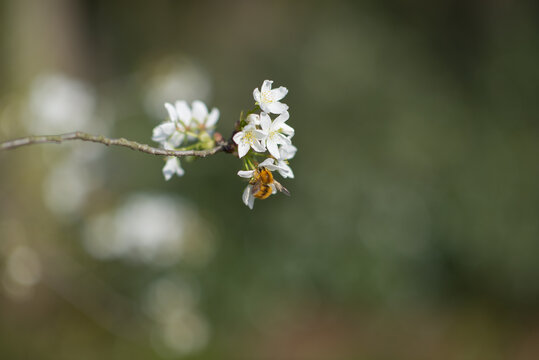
{"x": 79, "y": 135}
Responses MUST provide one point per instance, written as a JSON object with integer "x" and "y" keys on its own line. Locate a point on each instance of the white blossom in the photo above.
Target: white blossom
{"x": 268, "y": 99}
{"x": 172, "y": 129}
{"x": 249, "y": 137}
{"x": 202, "y": 117}
{"x": 172, "y": 166}
{"x": 253, "y": 119}
{"x": 163, "y": 131}
{"x": 180, "y": 114}
{"x": 272, "y": 132}
{"x": 286, "y": 153}
{"x": 183, "y": 125}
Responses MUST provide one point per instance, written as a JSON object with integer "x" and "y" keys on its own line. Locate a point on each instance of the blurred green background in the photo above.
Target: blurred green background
{"x": 412, "y": 231}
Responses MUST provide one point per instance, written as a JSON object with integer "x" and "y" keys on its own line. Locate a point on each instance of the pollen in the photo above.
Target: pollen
{"x": 249, "y": 137}
{"x": 266, "y": 97}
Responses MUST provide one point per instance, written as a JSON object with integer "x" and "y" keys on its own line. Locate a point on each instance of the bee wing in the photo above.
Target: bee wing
{"x": 256, "y": 188}
{"x": 281, "y": 188}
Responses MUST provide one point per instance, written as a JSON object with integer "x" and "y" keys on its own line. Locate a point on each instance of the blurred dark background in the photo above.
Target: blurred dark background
{"x": 412, "y": 231}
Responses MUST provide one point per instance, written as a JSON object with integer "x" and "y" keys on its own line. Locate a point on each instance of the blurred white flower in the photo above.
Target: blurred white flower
{"x": 180, "y": 113}
{"x": 59, "y": 103}
{"x": 183, "y": 126}
{"x": 173, "y": 129}
{"x": 22, "y": 271}
{"x": 23, "y": 266}
{"x": 202, "y": 117}
{"x": 180, "y": 329}
{"x": 69, "y": 182}
{"x": 268, "y": 99}
{"x": 187, "y": 119}
{"x": 172, "y": 166}
{"x": 163, "y": 131}
{"x": 146, "y": 228}
{"x": 156, "y": 229}
{"x": 185, "y": 332}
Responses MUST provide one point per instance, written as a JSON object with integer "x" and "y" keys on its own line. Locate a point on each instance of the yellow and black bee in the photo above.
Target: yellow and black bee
{"x": 264, "y": 184}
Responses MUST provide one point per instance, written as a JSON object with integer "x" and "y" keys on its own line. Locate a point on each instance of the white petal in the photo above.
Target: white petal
{"x": 180, "y": 127}
{"x": 290, "y": 173}
{"x": 249, "y": 127}
{"x": 258, "y": 146}
{"x": 173, "y": 116}
{"x": 267, "y": 163}
{"x": 266, "y": 86}
{"x": 260, "y": 135}
{"x": 279, "y": 121}
{"x": 253, "y": 119}
{"x": 238, "y": 137}
{"x": 264, "y": 107}
{"x": 273, "y": 168}
{"x": 281, "y": 139}
{"x": 246, "y": 193}
{"x": 212, "y": 118}
{"x": 172, "y": 167}
{"x": 176, "y": 139}
{"x": 288, "y": 151}
{"x": 243, "y": 148}
{"x": 279, "y": 93}
{"x": 163, "y": 131}
{"x": 285, "y": 170}
{"x": 184, "y": 113}
{"x": 167, "y": 145}
{"x": 248, "y": 198}
{"x": 200, "y": 111}
{"x": 276, "y": 107}
{"x": 265, "y": 122}
{"x": 285, "y": 115}
{"x": 256, "y": 95}
{"x": 246, "y": 173}
{"x": 273, "y": 148}
{"x": 287, "y": 129}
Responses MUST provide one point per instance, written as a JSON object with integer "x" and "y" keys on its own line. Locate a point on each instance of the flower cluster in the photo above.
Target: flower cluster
{"x": 259, "y": 137}
{"x": 187, "y": 128}
{"x": 264, "y": 144}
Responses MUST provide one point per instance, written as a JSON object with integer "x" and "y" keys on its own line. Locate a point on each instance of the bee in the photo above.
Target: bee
{"x": 263, "y": 184}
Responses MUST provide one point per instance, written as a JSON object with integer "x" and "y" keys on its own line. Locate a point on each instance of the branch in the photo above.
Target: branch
{"x": 79, "y": 135}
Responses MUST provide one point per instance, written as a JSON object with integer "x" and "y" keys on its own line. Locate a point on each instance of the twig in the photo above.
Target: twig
{"x": 79, "y": 135}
